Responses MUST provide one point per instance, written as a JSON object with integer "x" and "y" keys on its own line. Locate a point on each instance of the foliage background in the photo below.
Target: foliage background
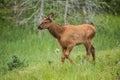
{"x": 29, "y": 54}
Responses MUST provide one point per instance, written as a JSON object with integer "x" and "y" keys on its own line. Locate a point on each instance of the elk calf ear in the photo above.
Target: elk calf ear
{"x": 51, "y": 16}
{"x": 42, "y": 17}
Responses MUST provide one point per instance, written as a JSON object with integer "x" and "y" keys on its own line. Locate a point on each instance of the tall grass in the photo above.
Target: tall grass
{"x": 43, "y": 54}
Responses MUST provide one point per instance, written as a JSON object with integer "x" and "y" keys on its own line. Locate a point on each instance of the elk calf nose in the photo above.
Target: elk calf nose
{"x": 39, "y": 28}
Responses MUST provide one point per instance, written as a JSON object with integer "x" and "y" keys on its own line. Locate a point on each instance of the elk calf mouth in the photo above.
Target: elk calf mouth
{"x": 40, "y": 28}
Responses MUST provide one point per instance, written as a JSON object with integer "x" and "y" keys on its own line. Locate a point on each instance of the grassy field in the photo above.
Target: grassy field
{"x": 38, "y": 56}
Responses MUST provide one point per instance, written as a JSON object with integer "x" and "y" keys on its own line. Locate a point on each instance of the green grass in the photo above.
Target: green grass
{"x": 43, "y": 62}
{"x": 106, "y": 68}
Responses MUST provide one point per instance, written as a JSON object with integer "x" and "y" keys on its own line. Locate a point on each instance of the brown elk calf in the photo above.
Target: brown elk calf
{"x": 70, "y": 35}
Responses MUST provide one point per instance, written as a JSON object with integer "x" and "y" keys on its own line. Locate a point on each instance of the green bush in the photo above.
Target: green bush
{"x": 16, "y": 62}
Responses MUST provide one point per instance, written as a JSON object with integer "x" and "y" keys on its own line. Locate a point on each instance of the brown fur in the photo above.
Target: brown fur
{"x": 70, "y": 36}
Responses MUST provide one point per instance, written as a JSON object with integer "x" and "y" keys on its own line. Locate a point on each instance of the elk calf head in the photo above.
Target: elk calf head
{"x": 46, "y": 22}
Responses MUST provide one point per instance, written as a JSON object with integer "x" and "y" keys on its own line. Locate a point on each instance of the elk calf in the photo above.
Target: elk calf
{"x": 70, "y": 35}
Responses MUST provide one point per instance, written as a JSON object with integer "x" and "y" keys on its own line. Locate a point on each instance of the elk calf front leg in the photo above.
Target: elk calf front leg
{"x": 67, "y": 53}
{"x": 63, "y": 56}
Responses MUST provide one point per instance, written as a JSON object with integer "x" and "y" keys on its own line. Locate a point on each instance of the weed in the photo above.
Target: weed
{"x": 16, "y": 62}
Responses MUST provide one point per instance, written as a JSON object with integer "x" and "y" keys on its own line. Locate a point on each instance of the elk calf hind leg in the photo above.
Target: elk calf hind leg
{"x": 87, "y": 46}
{"x": 93, "y": 52}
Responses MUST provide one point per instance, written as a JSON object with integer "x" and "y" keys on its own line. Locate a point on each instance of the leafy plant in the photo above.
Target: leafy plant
{"x": 15, "y": 63}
